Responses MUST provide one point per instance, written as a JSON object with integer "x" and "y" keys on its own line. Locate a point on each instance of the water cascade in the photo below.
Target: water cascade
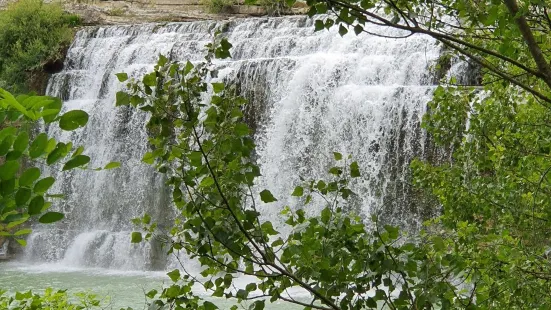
{"x": 311, "y": 93}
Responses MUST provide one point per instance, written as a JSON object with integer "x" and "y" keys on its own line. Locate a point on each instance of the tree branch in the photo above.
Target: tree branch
{"x": 528, "y": 36}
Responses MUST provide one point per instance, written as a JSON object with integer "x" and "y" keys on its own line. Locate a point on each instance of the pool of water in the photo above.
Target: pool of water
{"x": 118, "y": 288}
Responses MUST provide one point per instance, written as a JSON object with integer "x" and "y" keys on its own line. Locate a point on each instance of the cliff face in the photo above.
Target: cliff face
{"x": 113, "y": 12}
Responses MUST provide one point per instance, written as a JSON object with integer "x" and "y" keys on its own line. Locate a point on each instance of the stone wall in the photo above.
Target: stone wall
{"x": 111, "y": 12}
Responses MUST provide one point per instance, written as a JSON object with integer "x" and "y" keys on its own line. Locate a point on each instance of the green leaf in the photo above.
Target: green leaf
{"x": 326, "y": 215}
{"x": 51, "y": 217}
{"x": 112, "y": 165}
{"x": 371, "y": 303}
{"x": 148, "y": 158}
{"x": 122, "y": 77}
{"x": 174, "y": 275}
{"x": 217, "y": 87}
{"x": 189, "y": 66}
{"x": 242, "y": 294}
{"x": 43, "y": 185}
{"x": 36, "y": 204}
{"x": 206, "y": 181}
{"x": 122, "y": 98}
{"x": 22, "y": 196}
{"x": 136, "y": 237}
{"x": 7, "y": 187}
{"x": 358, "y": 29}
{"x": 209, "y": 306}
{"x": 393, "y": 232}
{"x": 21, "y": 142}
{"x": 38, "y": 146}
{"x": 342, "y": 30}
{"x": 8, "y": 100}
{"x": 335, "y": 171}
{"x": 266, "y": 196}
{"x": 298, "y": 192}
{"x": 6, "y": 144}
{"x": 241, "y": 129}
{"x": 50, "y": 115}
{"x": 146, "y": 219}
{"x": 319, "y": 25}
{"x": 29, "y": 176}
{"x": 21, "y": 232}
{"x": 354, "y": 170}
{"x": 151, "y": 294}
{"x": 77, "y": 161}
{"x": 78, "y": 151}
{"x": 195, "y": 158}
{"x": 73, "y": 120}
{"x": 51, "y": 145}
{"x": 22, "y": 242}
{"x": 438, "y": 243}
{"x": 7, "y": 132}
{"x": 258, "y": 305}
{"x": 16, "y": 220}
{"x": 338, "y": 156}
{"x": 150, "y": 79}
{"x": 225, "y": 44}
{"x": 268, "y": 228}
{"x": 251, "y": 287}
{"x": 13, "y": 155}
{"x": 59, "y": 152}
{"x": 8, "y": 170}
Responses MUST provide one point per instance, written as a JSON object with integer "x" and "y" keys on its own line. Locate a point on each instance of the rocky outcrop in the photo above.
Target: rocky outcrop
{"x": 4, "y": 244}
{"x": 113, "y": 12}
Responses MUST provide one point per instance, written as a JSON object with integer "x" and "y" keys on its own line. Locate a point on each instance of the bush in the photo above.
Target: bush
{"x": 217, "y": 6}
{"x": 32, "y": 33}
{"x": 274, "y": 7}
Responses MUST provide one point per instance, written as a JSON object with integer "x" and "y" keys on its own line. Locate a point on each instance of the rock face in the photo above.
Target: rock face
{"x": 113, "y": 12}
{"x": 4, "y": 244}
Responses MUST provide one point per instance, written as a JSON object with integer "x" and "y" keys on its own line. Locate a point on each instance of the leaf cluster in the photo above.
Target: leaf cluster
{"x": 24, "y": 190}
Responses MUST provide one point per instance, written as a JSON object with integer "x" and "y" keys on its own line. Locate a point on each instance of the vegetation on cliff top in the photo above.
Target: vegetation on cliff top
{"x": 32, "y": 34}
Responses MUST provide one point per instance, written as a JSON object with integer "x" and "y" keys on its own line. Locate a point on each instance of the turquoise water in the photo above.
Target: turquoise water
{"x": 116, "y": 288}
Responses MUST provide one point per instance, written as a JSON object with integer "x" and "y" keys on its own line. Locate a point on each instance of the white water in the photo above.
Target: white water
{"x": 311, "y": 94}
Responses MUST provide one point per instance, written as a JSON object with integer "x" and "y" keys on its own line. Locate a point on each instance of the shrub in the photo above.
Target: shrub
{"x": 274, "y": 7}
{"x": 217, "y": 6}
{"x": 32, "y": 33}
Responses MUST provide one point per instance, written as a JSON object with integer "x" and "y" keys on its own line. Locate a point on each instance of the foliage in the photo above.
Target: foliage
{"x": 23, "y": 188}
{"x": 49, "y": 300}
{"x": 205, "y": 149}
{"x": 32, "y": 33}
{"x": 274, "y": 7}
{"x": 217, "y": 6}
{"x": 116, "y": 12}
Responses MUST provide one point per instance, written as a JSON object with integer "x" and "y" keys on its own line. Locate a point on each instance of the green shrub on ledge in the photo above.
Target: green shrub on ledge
{"x": 217, "y": 6}
{"x": 32, "y": 33}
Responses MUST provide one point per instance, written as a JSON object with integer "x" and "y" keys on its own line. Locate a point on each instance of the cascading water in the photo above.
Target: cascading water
{"x": 310, "y": 93}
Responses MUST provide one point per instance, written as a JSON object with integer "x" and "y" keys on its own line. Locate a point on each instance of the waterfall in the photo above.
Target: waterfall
{"x": 311, "y": 93}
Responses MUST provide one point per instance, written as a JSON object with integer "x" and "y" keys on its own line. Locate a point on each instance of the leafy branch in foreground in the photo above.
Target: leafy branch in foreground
{"x": 23, "y": 188}
{"x": 201, "y": 143}
{"x": 50, "y": 299}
